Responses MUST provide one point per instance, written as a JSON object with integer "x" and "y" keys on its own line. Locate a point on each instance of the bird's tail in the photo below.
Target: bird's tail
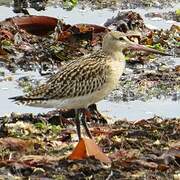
{"x": 25, "y": 100}
{"x": 19, "y": 99}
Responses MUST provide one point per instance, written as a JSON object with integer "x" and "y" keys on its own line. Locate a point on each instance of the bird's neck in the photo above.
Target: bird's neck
{"x": 117, "y": 55}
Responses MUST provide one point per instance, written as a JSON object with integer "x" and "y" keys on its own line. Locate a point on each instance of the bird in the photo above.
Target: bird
{"x": 86, "y": 80}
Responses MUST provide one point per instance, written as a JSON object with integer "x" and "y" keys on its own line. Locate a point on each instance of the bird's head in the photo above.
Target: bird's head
{"x": 115, "y": 41}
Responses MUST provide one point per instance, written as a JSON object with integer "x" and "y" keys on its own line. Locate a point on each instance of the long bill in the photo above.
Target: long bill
{"x": 139, "y": 47}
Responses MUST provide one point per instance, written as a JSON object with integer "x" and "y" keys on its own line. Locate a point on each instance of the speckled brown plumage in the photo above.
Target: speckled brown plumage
{"x": 75, "y": 79}
{"x": 83, "y": 81}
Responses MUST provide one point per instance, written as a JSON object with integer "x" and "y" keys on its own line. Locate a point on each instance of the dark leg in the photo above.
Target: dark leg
{"x": 83, "y": 119}
{"x": 61, "y": 119}
{"x": 77, "y": 121}
{"x": 96, "y": 115}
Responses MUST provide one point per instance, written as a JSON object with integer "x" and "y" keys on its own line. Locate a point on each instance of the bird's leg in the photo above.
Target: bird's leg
{"x": 77, "y": 121}
{"x": 96, "y": 115}
{"x": 83, "y": 119}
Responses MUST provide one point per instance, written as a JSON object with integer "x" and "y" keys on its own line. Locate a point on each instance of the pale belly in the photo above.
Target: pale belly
{"x": 75, "y": 102}
{"x": 85, "y": 101}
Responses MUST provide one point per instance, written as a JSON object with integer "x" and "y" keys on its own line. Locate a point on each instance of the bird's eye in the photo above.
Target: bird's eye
{"x": 121, "y": 38}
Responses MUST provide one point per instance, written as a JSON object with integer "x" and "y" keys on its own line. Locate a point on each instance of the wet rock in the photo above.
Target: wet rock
{"x": 125, "y": 21}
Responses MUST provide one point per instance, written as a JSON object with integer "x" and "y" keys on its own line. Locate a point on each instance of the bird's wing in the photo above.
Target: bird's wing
{"x": 75, "y": 79}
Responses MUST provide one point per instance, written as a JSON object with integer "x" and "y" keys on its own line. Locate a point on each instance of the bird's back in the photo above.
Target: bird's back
{"x": 80, "y": 78}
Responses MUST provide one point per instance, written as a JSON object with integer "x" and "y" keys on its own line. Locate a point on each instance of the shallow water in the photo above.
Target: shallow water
{"x": 130, "y": 110}
{"x": 135, "y": 110}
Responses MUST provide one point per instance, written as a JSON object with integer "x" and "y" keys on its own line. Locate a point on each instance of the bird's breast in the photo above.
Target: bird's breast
{"x": 114, "y": 72}
{"x": 116, "y": 69}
